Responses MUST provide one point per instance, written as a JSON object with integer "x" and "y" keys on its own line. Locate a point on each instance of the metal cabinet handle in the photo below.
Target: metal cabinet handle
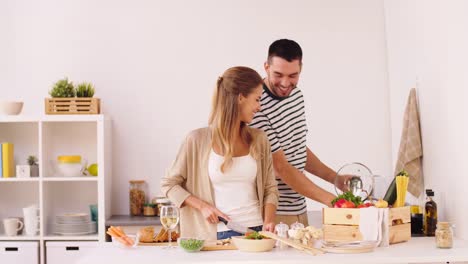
{"x": 72, "y": 248}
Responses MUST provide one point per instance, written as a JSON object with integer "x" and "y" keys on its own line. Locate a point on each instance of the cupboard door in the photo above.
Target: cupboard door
{"x": 19, "y": 252}
{"x": 67, "y": 251}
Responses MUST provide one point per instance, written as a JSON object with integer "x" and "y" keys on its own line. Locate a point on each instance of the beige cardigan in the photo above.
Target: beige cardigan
{"x": 189, "y": 175}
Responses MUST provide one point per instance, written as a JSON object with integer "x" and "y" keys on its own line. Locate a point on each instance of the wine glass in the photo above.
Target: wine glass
{"x": 169, "y": 219}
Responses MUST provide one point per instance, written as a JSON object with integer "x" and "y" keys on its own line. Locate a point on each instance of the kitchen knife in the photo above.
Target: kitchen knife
{"x": 235, "y": 227}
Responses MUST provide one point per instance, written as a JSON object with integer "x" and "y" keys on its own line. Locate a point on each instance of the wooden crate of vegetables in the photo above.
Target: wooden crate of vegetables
{"x": 341, "y": 223}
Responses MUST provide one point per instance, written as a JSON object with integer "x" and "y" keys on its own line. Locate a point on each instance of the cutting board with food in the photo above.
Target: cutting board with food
{"x": 225, "y": 244}
{"x": 147, "y": 237}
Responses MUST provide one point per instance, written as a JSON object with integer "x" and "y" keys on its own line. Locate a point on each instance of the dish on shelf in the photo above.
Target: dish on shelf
{"x": 89, "y": 227}
{"x": 74, "y": 234}
{"x": 69, "y": 166}
{"x": 72, "y": 218}
{"x": 11, "y": 107}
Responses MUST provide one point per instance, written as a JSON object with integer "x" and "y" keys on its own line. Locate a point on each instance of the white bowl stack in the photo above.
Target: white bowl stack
{"x": 74, "y": 224}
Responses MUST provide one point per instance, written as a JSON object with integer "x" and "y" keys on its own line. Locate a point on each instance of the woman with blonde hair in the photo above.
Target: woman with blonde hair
{"x": 225, "y": 170}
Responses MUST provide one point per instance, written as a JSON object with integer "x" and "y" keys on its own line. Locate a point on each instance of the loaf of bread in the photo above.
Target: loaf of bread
{"x": 163, "y": 236}
{"x": 146, "y": 234}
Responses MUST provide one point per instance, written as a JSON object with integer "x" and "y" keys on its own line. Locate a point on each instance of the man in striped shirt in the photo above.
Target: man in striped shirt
{"x": 282, "y": 117}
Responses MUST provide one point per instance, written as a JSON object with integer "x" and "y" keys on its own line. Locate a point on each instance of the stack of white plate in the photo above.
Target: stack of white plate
{"x": 74, "y": 225}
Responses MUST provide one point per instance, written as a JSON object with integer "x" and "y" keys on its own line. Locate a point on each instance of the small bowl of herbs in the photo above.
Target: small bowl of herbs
{"x": 190, "y": 244}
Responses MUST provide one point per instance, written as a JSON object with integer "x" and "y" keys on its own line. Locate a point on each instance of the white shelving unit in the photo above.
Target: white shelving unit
{"x": 47, "y": 137}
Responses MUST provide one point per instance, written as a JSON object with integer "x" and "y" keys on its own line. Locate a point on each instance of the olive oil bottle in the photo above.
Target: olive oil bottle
{"x": 430, "y": 216}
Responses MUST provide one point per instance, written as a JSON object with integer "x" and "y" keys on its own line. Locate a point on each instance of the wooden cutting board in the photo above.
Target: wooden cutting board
{"x": 219, "y": 247}
{"x": 154, "y": 244}
{"x": 294, "y": 244}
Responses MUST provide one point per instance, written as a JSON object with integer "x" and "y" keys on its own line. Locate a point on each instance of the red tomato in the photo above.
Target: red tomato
{"x": 368, "y": 204}
{"x": 362, "y": 206}
{"x": 339, "y": 203}
{"x": 348, "y": 204}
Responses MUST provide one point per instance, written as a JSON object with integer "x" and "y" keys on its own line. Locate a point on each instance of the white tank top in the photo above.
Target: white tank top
{"x": 235, "y": 190}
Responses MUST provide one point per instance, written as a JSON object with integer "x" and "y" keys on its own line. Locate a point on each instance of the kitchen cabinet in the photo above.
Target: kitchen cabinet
{"x": 68, "y": 251}
{"x": 19, "y": 252}
{"x": 48, "y": 137}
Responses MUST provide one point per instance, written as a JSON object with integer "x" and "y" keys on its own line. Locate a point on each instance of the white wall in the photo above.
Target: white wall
{"x": 154, "y": 64}
{"x": 427, "y": 43}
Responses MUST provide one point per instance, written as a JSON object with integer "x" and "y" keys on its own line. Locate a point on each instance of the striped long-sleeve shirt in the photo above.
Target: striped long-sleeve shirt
{"x": 283, "y": 120}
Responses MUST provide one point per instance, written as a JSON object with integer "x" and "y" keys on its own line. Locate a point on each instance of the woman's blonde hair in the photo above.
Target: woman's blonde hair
{"x": 225, "y": 110}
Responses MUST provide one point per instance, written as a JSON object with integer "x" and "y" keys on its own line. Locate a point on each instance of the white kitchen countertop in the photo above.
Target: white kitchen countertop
{"x": 417, "y": 250}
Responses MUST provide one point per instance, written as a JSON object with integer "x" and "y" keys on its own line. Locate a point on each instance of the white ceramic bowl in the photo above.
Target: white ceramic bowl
{"x": 253, "y": 245}
{"x": 70, "y": 169}
{"x": 120, "y": 244}
{"x": 11, "y": 107}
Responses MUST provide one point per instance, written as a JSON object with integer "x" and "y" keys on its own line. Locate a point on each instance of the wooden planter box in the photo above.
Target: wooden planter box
{"x": 72, "y": 106}
{"x": 342, "y": 224}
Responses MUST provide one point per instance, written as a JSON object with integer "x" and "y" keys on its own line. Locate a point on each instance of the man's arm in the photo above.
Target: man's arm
{"x": 298, "y": 181}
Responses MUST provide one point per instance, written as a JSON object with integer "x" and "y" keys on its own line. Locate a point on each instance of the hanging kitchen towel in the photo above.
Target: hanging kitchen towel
{"x": 410, "y": 153}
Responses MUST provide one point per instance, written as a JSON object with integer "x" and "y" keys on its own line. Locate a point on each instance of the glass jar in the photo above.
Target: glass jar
{"x": 149, "y": 209}
{"x": 444, "y": 235}
{"x": 137, "y": 197}
{"x": 161, "y": 202}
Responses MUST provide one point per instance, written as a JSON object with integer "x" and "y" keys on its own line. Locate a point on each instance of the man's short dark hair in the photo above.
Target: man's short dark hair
{"x": 286, "y": 49}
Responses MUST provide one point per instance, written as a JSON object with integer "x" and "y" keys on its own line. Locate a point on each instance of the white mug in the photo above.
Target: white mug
{"x": 31, "y": 210}
{"x": 31, "y": 220}
{"x": 31, "y": 227}
{"x": 11, "y": 226}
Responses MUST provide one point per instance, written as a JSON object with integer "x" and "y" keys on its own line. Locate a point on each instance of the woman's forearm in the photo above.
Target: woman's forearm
{"x": 270, "y": 213}
{"x": 194, "y": 202}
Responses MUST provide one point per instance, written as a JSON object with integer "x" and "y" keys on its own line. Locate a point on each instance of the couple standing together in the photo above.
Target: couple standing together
{"x": 248, "y": 165}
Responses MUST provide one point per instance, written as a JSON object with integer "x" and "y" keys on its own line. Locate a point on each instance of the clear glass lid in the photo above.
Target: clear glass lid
{"x": 356, "y": 178}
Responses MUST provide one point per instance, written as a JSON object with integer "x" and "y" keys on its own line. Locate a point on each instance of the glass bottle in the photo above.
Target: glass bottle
{"x": 416, "y": 221}
{"x": 137, "y": 197}
{"x": 444, "y": 235}
{"x": 430, "y": 218}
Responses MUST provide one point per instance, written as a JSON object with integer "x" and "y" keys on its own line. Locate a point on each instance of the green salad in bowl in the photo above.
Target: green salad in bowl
{"x": 190, "y": 244}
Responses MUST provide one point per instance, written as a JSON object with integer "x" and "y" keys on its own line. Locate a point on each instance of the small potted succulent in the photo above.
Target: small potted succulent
{"x": 66, "y": 99}
{"x": 34, "y": 167}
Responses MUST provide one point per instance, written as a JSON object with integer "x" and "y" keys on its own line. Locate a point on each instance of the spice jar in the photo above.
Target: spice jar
{"x": 160, "y": 202}
{"x": 282, "y": 231}
{"x": 444, "y": 235}
{"x": 149, "y": 209}
{"x": 137, "y": 197}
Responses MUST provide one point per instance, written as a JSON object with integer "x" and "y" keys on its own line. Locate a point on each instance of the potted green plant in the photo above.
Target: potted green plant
{"x": 85, "y": 89}
{"x": 62, "y": 88}
{"x": 66, "y": 99}
{"x": 34, "y": 167}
